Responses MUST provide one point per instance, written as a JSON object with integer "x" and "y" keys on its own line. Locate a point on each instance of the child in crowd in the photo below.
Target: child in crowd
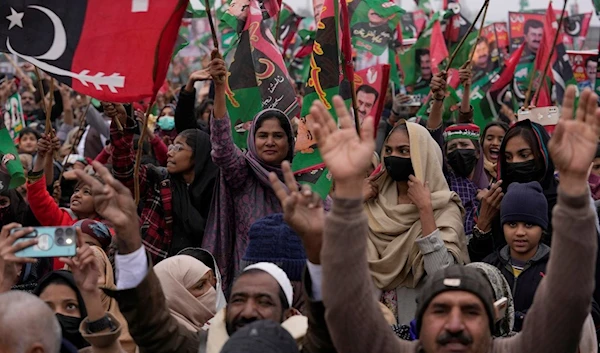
{"x": 28, "y": 141}
{"x": 523, "y": 260}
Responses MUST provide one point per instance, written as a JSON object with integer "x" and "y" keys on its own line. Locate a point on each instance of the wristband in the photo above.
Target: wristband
{"x": 34, "y": 176}
{"x": 100, "y": 325}
{"x": 438, "y": 99}
{"x": 479, "y": 234}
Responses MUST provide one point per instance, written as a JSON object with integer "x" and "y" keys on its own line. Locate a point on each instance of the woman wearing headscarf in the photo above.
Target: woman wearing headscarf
{"x": 491, "y": 139}
{"x": 501, "y": 288}
{"x": 209, "y": 260}
{"x": 415, "y": 221}
{"x": 174, "y": 201}
{"x": 243, "y": 193}
{"x": 189, "y": 289}
{"x": 523, "y": 158}
{"x": 166, "y": 124}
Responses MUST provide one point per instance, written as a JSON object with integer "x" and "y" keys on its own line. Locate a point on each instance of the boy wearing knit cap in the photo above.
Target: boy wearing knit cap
{"x": 524, "y": 218}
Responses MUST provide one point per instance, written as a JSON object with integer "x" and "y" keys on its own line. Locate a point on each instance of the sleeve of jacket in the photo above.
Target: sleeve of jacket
{"x": 555, "y": 319}
{"x": 150, "y": 323}
{"x": 353, "y": 316}
{"x": 104, "y": 342}
{"x": 123, "y": 157}
{"x": 184, "y": 111}
{"x": 160, "y": 150}
{"x": 43, "y": 206}
{"x": 57, "y": 108}
{"x": 317, "y": 339}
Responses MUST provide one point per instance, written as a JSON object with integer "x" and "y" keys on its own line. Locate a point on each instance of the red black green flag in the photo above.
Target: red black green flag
{"x": 258, "y": 78}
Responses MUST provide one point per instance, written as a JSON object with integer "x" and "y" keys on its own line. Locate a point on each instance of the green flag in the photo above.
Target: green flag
{"x": 11, "y": 170}
{"x": 596, "y": 6}
{"x": 451, "y": 103}
{"x": 373, "y": 23}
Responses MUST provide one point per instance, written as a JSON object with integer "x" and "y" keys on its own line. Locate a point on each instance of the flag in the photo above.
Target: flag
{"x": 596, "y": 6}
{"x": 584, "y": 67}
{"x": 576, "y": 29}
{"x": 11, "y": 170}
{"x": 458, "y": 25}
{"x": 258, "y": 78}
{"x": 14, "y": 120}
{"x": 323, "y": 83}
{"x": 503, "y": 83}
{"x": 371, "y": 86}
{"x": 426, "y": 6}
{"x": 451, "y": 104}
{"x": 441, "y": 52}
{"x": 288, "y": 26}
{"x": 118, "y": 52}
{"x": 373, "y": 23}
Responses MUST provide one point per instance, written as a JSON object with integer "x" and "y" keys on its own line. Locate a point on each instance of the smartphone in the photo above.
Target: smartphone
{"x": 500, "y": 305}
{"x": 52, "y": 242}
{"x": 545, "y": 116}
{"x": 415, "y": 101}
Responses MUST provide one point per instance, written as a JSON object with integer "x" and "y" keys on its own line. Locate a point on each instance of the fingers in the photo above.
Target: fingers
{"x": 316, "y": 125}
{"x": 568, "y": 103}
{"x": 466, "y": 64}
{"x": 95, "y": 184}
{"x": 277, "y": 186}
{"x": 591, "y": 107}
{"x": 582, "y": 106}
{"x": 106, "y": 175}
{"x": 343, "y": 115}
{"x": 367, "y": 130}
{"x": 7, "y": 228}
{"x": 288, "y": 176}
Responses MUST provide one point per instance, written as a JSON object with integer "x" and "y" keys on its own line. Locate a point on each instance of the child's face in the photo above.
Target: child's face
{"x": 596, "y": 166}
{"x": 28, "y": 144}
{"x": 522, "y": 238}
{"x": 82, "y": 201}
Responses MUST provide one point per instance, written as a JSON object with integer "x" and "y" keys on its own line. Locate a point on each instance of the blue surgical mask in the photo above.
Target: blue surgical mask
{"x": 166, "y": 123}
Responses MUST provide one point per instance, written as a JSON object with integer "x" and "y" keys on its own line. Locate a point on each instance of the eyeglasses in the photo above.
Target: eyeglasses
{"x": 177, "y": 148}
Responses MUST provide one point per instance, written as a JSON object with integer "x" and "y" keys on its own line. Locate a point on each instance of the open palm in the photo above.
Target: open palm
{"x": 342, "y": 150}
{"x": 573, "y": 145}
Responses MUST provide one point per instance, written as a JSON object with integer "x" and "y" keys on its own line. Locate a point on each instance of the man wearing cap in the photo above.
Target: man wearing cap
{"x": 456, "y": 312}
{"x": 262, "y": 292}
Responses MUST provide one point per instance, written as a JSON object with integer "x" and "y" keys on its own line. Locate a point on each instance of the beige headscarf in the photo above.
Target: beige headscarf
{"x": 176, "y": 275}
{"x": 110, "y": 304}
{"x": 394, "y": 257}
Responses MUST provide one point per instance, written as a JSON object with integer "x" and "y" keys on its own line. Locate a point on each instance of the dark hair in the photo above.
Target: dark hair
{"x": 285, "y": 125}
{"x": 369, "y": 90}
{"x": 282, "y": 297}
{"x": 421, "y": 52}
{"x": 529, "y": 136}
{"x": 204, "y": 105}
{"x": 31, "y": 131}
{"x": 593, "y": 58}
{"x": 482, "y": 40}
{"x": 531, "y": 23}
{"x": 80, "y": 183}
{"x": 597, "y": 151}
{"x": 190, "y": 139}
{"x": 500, "y": 124}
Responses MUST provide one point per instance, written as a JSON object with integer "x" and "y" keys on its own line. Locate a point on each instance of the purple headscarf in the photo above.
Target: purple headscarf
{"x": 259, "y": 167}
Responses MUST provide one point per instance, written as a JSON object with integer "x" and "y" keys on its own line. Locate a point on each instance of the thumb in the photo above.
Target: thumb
{"x": 466, "y": 64}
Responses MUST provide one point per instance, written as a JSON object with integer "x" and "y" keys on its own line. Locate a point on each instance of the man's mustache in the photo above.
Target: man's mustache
{"x": 460, "y": 337}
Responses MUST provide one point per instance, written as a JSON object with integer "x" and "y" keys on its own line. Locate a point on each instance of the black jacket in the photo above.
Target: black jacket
{"x": 523, "y": 287}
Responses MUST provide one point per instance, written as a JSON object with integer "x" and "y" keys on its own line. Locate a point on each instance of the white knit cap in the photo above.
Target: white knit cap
{"x": 278, "y": 274}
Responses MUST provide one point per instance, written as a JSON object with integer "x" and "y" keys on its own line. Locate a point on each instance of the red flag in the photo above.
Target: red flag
{"x": 438, "y": 50}
{"x": 546, "y": 53}
{"x": 371, "y": 86}
{"x": 117, "y": 53}
{"x": 508, "y": 71}
{"x": 346, "y": 42}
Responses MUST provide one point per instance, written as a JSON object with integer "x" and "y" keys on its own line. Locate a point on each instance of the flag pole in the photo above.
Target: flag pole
{"x": 464, "y": 38}
{"x": 77, "y": 139}
{"x": 212, "y": 24}
{"x": 138, "y": 155}
{"x": 348, "y": 64}
{"x": 47, "y": 110}
{"x": 537, "y": 93}
{"x": 479, "y": 34}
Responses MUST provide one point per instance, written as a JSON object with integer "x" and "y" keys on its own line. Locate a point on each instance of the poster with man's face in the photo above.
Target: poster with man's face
{"x": 497, "y": 38}
{"x": 370, "y": 85}
{"x": 373, "y": 23}
{"x": 585, "y": 67}
{"x": 525, "y": 27}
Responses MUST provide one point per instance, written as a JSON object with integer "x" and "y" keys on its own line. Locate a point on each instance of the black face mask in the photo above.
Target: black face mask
{"x": 70, "y": 330}
{"x": 522, "y": 172}
{"x": 399, "y": 168}
{"x": 462, "y": 161}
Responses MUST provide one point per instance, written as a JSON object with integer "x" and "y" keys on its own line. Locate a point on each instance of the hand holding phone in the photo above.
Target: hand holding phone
{"x": 8, "y": 248}
{"x": 50, "y": 242}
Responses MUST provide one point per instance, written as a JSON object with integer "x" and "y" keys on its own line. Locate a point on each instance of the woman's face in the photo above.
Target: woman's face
{"x": 271, "y": 142}
{"x": 62, "y": 299}
{"x": 206, "y": 113}
{"x": 167, "y": 111}
{"x": 180, "y": 156}
{"x": 397, "y": 145}
{"x": 82, "y": 201}
{"x": 205, "y": 283}
{"x": 491, "y": 143}
{"x": 518, "y": 150}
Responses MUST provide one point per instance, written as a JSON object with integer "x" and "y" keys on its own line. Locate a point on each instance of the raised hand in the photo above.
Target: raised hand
{"x": 419, "y": 194}
{"x": 438, "y": 85}
{"x": 9, "y": 263}
{"x": 465, "y": 73}
{"x": 346, "y": 155}
{"x": 302, "y": 211}
{"x": 115, "y": 110}
{"x": 217, "y": 68}
{"x": 370, "y": 188}
{"x": 490, "y": 206}
{"x": 200, "y": 75}
{"x": 113, "y": 201}
{"x": 83, "y": 266}
{"x": 573, "y": 145}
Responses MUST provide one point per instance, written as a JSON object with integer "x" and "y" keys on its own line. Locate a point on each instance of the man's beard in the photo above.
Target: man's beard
{"x": 234, "y": 325}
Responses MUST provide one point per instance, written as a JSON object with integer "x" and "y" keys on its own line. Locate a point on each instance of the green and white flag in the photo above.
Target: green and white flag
{"x": 14, "y": 120}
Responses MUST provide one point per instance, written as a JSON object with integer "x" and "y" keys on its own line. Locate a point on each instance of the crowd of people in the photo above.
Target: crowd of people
{"x": 437, "y": 236}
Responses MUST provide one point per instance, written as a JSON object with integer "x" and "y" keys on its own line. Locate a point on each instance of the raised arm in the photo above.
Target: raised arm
{"x": 346, "y": 279}
{"x": 465, "y": 113}
{"x": 438, "y": 93}
{"x": 123, "y": 154}
{"x": 140, "y": 296}
{"x": 184, "y": 111}
{"x": 226, "y": 155}
{"x": 563, "y": 299}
